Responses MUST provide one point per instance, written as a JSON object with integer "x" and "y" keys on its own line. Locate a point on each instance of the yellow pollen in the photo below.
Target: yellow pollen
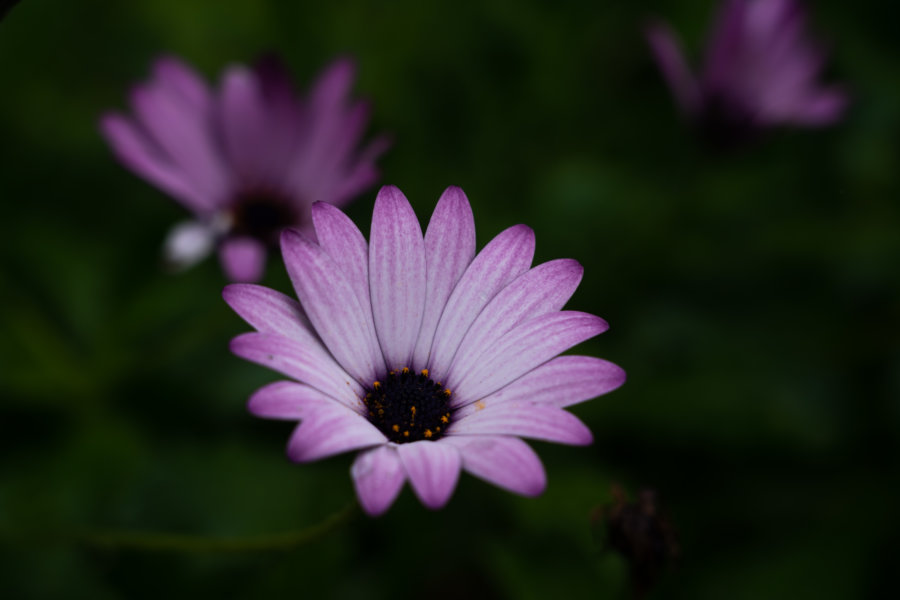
{"x": 445, "y": 419}
{"x": 381, "y": 412}
{"x": 447, "y": 392}
{"x": 396, "y": 428}
{"x": 479, "y": 405}
{"x": 376, "y": 385}
{"x": 425, "y": 372}
{"x": 393, "y": 372}
{"x": 412, "y": 409}
{"x": 405, "y": 434}
{"x": 428, "y": 433}
{"x": 405, "y": 370}
{"x": 437, "y": 428}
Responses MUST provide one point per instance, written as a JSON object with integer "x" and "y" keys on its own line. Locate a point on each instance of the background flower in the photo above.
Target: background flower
{"x": 443, "y": 366}
{"x": 761, "y": 69}
{"x": 248, "y": 159}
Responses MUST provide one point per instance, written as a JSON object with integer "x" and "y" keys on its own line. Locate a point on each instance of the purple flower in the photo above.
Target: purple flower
{"x": 420, "y": 354}
{"x": 761, "y": 70}
{"x": 248, "y": 159}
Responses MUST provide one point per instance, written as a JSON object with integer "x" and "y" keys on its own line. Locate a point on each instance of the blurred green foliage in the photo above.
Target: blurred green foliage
{"x": 753, "y": 299}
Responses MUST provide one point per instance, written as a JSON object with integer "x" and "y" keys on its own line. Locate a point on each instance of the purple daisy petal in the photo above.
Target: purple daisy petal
{"x": 396, "y": 275}
{"x": 323, "y": 119}
{"x": 522, "y": 349}
{"x": 143, "y": 156}
{"x": 176, "y": 76}
{"x": 543, "y": 289}
{"x": 283, "y": 123}
{"x": 300, "y": 361}
{"x": 506, "y": 257}
{"x": 283, "y": 400}
{"x": 822, "y": 107}
{"x": 269, "y": 311}
{"x": 506, "y": 462}
{"x": 378, "y": 477}
{"x": 243, "y": 259}
{"x": 524, "y": 419}
{"x": 360, "y": 175}
{"x": 667, "y": 53}
{"x": 344, "y": 242}
{"x": 244, "y": 127}
{"x": 433, "y": 470}
{"x": 449, "y": 249}
{"x": 183, "y": 134}
{"x": 332, "y": 306}
{"x": 326, "y": 427}
{"x": 349, "y": 133}
{"x": 725, "y": 45}
{"x": 563, "y": 381}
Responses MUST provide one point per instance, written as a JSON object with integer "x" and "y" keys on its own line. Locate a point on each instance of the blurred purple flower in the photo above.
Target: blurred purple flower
{"x": 761, "y": 70}
{"x": 427, "y": 358}
{"x": 248, "y": 159}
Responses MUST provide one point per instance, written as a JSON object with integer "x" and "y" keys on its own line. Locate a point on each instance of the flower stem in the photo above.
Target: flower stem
{"x": 176, "y": 542}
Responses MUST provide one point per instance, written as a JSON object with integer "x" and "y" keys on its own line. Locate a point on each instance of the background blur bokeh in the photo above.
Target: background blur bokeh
{"x": 753, "y": 299}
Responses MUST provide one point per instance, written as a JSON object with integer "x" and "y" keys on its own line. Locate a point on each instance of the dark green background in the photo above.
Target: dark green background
{"x": 752, "y": 298}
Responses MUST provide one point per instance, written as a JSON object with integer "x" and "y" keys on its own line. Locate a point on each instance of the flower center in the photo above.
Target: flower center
{"x": 408, "y": 406}
{"x": 262, "y": 215}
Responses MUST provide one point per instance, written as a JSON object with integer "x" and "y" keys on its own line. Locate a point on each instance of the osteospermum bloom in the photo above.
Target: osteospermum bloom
{"x": 248, "y": 159}
{"x": 419, "y": 354}
{"x": 761, "y": 70}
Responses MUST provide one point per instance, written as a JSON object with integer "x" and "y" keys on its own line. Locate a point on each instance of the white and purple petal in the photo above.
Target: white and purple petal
{"x": 303, "y": 362}
{"x": 326, "y": 427}
{"x": 396, "y": 276}
{"x": 449, "y": 249}
{"x": 504, "y": 258}
{"x": 522, "y": 349}
{"x": 332, "y": 307}
{"x": 541, "y": 290}
{"x": 524, "y": 419}
{"x": 270, "y": 311}
{"x": 433, "y": 470}
{"x": 506, "y": 462}
{"x": 345, "y": 243}
{"x": 378, "y": 477}
{"x": 562, "y": 381}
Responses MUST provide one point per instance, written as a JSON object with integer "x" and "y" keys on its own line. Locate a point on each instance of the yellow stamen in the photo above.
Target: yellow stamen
{"x": 425, "y": 372}
{"x": 396, "y": 428}
{"x": 428, "y": 433}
